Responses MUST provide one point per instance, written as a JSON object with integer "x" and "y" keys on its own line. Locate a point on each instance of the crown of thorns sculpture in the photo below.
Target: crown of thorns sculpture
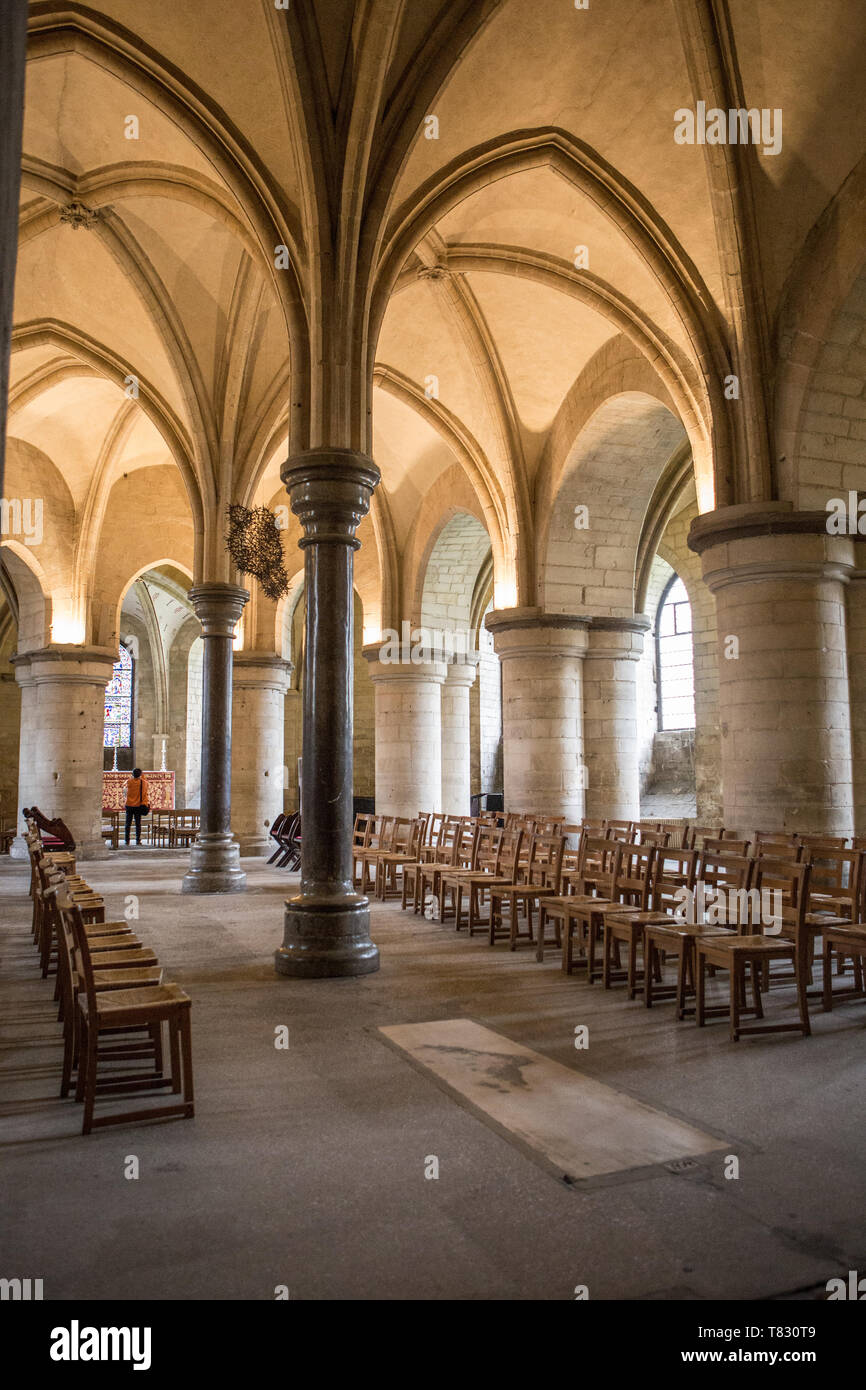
{"x": 253, "y": 542}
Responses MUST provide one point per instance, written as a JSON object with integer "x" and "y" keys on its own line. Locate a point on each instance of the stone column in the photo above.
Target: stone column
{"x": 260, "y": 681}
{"x": 327, "y": 926}
{"x": 214, "y": 862}
{"x": 408, "y": 733}
{"x": 62, "y": 722}
{"x": 857, "y": 683}
{"x": 610, "y": 732}
{"x": 779, "y": 581}
{"x": 456, "y": 750}
{"x": 542, "y": 736}
{"x": 13, "y": 57}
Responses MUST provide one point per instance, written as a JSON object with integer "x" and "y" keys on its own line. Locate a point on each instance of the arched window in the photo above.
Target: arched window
{"x": 676, "y": 681}
{"x": 117, "y": 730}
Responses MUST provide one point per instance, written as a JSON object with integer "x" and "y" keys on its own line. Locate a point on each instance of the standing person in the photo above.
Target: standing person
{"x": 137, "y": 797}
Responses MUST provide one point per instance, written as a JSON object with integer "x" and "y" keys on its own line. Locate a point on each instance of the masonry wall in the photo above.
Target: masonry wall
{"x": 10, "y": 725}
{"x": 831, "y": 458}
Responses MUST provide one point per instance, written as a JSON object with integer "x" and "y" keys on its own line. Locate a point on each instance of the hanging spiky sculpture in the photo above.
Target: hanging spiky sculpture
{"x": 253, "y": 542}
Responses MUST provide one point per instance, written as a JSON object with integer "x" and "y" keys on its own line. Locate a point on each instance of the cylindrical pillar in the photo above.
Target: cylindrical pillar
{"x": 779, "y": 581}
{"x": 542, "y": 736}
{"x": 214, "y": 865}
{"x": 857, "y": 684}
{"x": 259, "y": 682}
{"x": 610, "y": 725}
{"x": 62, "y": 723}
{"x": 327, "y": 926}
{"x": 408, "y": 733}
{"x": 456, "y": 751}
{"x": 13, "y": 58}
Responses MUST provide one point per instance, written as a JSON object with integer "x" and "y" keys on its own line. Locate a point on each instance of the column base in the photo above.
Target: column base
{"x": 256, "y": 846}
{"x": 326, "y": 938}
{"x": 214, "y": 866}
{"x": 18, "y": 848}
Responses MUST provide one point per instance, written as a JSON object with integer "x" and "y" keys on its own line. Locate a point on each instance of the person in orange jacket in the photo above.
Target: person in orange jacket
{"x": 137, "y": 798}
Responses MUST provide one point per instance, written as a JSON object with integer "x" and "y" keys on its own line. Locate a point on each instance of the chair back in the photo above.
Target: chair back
{"x": 720, "y": 846}
{"x": 778, "y": 849}
{"x": 836, "y": 874}
{"x": 674, "y": 870}
{"x": 509, "y": 853}
{"x": 635, "y": 873}
{"x": 817, "y": 841}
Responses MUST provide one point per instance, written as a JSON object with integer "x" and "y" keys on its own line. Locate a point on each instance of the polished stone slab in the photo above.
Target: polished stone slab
{"x": 582, "y": 1127}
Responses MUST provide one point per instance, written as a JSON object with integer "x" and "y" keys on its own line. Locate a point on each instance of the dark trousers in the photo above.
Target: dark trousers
{"x": 133, "y": 813}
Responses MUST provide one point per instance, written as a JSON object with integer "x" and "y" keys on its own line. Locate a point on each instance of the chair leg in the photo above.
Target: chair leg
{"x": 89, "y": 1069}
{"x": 737, "y": 981}
{"x": 186, "y": 1049}
{"x": 756, "y": 991}
{"x": 802, "y": 998}
{"x": 700, "y": 965}
{"x": 827, "y": 988}
{"x": 174, "y": 1048}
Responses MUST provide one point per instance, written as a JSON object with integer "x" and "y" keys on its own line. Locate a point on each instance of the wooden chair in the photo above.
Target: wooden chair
{"x": 475, "y": 884}
{"x": 836, "y": 884}
{"x": 633, "y": 886}
{"x": 799, "y": 923}
{"x": 756, "y": 952}
{"x": 408, "y": 840}
{"x": 392, "y": 839}
{"x": 592, "y": 880}
{"x": 185, "y": 827}
{"x": 542, "y": 879}
{"x": 626, "y": 896}
{"x": 676, "y": 934}
{"x": 847, "y": 943}
{"x": 133, "y": 968}
{"x": 439, "y": 845}
{"x": 427, "y": 874}
{"x": 107, "y": 1013}
{"x": 111, "y": 828}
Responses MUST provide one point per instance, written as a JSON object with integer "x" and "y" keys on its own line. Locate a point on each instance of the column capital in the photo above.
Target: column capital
{"x": 769, "y": 541}
{"x": 218, "y": 607}
{"x": 462, "y": 670}
{"x": 405, "y": 672}
{"x": 64, "y": 664}
{"x": 330, "y": 491}
{"x": 261, "y": 671}
{"x": 618, "y": 639}
{"x": 527, "y": 632}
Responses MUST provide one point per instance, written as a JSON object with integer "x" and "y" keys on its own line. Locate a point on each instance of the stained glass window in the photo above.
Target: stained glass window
{"x": 675, "y": 670}
{"x": 118, "y": 704}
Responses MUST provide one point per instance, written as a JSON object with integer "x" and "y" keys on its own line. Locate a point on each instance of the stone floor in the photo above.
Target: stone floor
{"x": 306, "y": 1167}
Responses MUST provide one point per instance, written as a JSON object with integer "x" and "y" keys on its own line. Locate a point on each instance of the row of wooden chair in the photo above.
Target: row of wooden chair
{"x": 113, "y": 1000}
{"x": 613, "y": 895}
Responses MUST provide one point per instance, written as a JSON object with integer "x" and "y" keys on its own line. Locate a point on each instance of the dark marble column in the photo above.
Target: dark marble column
{"x": 214, "y": 865}
{"x": 327, "y": 927}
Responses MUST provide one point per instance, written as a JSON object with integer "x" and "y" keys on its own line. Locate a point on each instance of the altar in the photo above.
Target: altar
{"x": 160, "y": 788}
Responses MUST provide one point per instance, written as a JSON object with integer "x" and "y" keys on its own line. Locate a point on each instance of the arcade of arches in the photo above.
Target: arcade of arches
{"x": 434, "y": 282}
